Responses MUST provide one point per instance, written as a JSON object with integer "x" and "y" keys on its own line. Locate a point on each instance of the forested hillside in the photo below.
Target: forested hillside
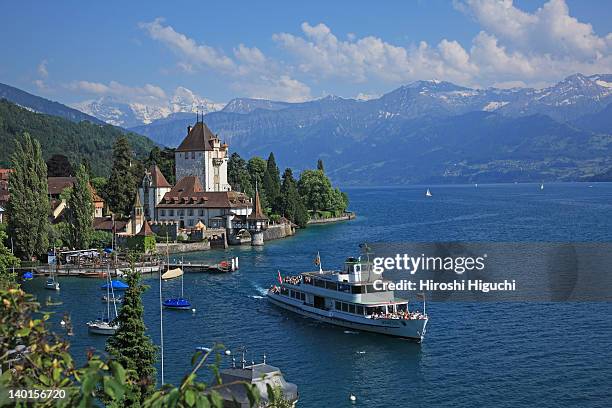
{"x": 78, "y": 141}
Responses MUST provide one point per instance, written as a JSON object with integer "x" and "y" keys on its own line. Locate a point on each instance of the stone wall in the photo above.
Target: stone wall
{"x": 278, "y": 231}
{"x": 344, "y": 217}
{"x": 179, "y": 247}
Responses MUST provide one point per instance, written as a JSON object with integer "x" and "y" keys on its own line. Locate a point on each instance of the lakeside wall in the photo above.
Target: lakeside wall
{"x": 344, "y": 217}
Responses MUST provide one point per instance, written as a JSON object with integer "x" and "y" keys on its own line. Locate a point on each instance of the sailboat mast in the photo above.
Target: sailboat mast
{"x": 112, "y": 293}
{"x": 109, "y": 283}
{"x": 182, "y": 277}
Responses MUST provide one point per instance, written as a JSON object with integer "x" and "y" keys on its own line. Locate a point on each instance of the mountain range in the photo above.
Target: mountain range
{"x": 423, "y": 132}
{"x": 427, "y": 131}
{"x": 127, "y": 115}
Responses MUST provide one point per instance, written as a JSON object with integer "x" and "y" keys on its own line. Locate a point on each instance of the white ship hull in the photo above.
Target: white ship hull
{"x": 410, "y": 329}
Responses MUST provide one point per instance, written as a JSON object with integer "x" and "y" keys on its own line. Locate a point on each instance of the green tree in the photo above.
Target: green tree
{"x": 316, "y": 190}
{"x": 59, "y": 166}
{"x": 130, "y": 345}
{"x": 121, "y": 187}
{"x": 164, "y": 159}
{"x": 271, "y": 183}
{"x": 238, "y": 175}
{"x": 79, "y": 214}
{"x": 320, "y": 165}
{"x": 339, "y": 201}
{"x": 99, "y": 184}
{"x": 257, "y": 169}
{"x": 291, "y": 204}
{"x": 28, "y": 208}
{"x": 7, "y": 261}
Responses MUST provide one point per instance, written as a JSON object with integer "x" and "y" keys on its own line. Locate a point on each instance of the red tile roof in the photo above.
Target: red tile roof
{"x": 188, "y": 192}
{"x": 157, "y": 177}
{"x": 145, "y": 231}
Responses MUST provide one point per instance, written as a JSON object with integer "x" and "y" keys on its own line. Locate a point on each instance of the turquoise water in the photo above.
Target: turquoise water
{"x": 475, "y": 354}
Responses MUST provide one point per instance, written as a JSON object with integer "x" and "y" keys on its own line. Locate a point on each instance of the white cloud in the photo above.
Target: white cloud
{"x": 248, "y": 69}
{"x": 549, "y": 30}
{"x": 145, "y": 94}
{"x": 42, "y": 69}
{"x": 514, "y": 45}
{"x": 187, "y": 47}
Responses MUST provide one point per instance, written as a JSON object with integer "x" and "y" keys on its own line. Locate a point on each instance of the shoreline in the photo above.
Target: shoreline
{"x": 347, "y": 216}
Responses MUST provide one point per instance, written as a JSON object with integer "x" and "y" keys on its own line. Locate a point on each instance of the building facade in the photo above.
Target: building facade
{"x": 202, "y": 154}
{"x": 153, "y": 188}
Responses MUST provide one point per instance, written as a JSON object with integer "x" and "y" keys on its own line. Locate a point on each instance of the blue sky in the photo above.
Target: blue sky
{"x": 72, "y": 51}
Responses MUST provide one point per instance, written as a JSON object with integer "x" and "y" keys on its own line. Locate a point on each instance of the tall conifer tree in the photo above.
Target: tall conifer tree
{"x": 130, "y": 345}
{"x": 28, "y": 207}
{"x": 121, "y": 187}
{"x": 271, "y": 183}
{"x": 80, "y": 211}
{"x": 291, "y": 203}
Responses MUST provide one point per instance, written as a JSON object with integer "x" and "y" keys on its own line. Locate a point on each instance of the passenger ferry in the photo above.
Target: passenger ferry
{"x": 348, "y": 298}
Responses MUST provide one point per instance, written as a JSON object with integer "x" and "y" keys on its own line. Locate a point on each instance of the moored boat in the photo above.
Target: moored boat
{"x": 102, "y": 326}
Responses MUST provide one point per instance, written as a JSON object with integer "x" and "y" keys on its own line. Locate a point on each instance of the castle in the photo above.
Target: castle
{"x": 202, "y": 195}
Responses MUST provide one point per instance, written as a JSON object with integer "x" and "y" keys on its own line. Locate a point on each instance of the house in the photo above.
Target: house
{"x": 4, "y": 192}
{"x": 56, "y": 185}
{"x": 188, "y": 203}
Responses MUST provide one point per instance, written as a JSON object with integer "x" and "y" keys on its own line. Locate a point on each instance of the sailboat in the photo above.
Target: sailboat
{"x": 52, "y": 283}
{"x": 179, "y": 303}
{"x": 542, "y": 186}
{"x": 428, "y": 193}
{"x": 106, "y": 326}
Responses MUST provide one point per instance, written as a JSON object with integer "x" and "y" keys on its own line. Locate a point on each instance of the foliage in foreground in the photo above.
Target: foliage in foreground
{"x": 46, "y": 363}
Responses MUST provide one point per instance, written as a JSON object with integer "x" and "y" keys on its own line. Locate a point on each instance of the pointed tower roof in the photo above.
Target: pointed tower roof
{"x": 198, "y": 139}
{"x": 157, "y": 177}
{"x": 137, "y": 202}
{"x": 145, "y": 231}
{"x": 257, "y": 213}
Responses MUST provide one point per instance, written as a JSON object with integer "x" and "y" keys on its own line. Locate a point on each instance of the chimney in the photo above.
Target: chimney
{"x": 188, "y": 129}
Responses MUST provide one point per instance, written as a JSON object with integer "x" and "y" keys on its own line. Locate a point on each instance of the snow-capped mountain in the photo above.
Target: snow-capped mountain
{"x": 114, "y": 111}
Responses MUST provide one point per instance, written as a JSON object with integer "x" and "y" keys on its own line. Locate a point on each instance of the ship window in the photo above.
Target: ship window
{"x": 351, "y": 308}
{"x": 338, "y": 307}
{"x": 344, "y": 307}
{"x": 171, "y": 213}
{"x": 390, "y": 309}
{"x": 356, "y": 289}
{"x": 360, "y": 310}
{"x": 162, "y": 213}
{"x": 190, "y": 212}
{"x": 284, "y": 291}
{"x": 308, "y": 280}
{"x": 370, "y": 310}
{"x": 331, "y": 285}
{"x": 319, "y": 283}
{"x": 303, "y": 296}
{"x": 402, "y": 307}
{"x": 344, "y": 288}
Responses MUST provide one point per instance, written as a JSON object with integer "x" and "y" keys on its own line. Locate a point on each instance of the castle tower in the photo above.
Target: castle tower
{"x": 137, "y": 215}
{"x": 202, "y": 154}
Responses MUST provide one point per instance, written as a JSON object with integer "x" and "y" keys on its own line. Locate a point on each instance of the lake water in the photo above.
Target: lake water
{"x": 474, "y": 354}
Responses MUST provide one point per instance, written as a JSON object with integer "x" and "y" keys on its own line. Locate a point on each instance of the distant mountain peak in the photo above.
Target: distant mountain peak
{"x": 119, "y": 113}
